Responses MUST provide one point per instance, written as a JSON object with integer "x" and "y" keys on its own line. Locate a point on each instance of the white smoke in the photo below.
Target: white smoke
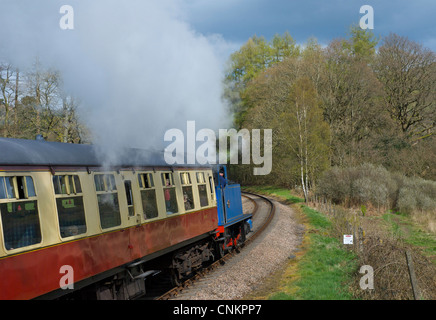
{"x": 136, "y": 66}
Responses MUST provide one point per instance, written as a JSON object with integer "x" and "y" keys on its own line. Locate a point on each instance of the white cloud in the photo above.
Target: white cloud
{"x": 137, "y": 67}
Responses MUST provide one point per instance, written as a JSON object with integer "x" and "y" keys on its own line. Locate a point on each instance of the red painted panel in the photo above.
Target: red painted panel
{"x": 34, "y": 273}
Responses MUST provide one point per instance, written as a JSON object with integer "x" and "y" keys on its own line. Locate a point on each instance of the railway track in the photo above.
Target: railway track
{"x": 261, "y": 219}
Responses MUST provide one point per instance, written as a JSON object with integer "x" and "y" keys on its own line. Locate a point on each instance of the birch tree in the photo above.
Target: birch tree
{"x": 308, "y": 132}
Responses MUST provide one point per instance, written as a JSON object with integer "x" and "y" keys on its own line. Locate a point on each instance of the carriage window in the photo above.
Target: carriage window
{"x": 129, "y": 196}
{"x": 185, "y": 177}
{"x": 69, "y": 202}
{"x": 77, "y": 186}
{"x": 200, "y": 177}
{"x": 145, "y": 180}
{"x": 63, "y": 184}
{"x": 6, "y": 188}
{"x": 9, "y": 187}
{"x": 107, "y": 197}
{"x": 167, "y": 179}
{"x": 3, "y": 193}
{"x": 99, "y": 183}
{"x": 30, "y": 187}
{"x": 211, "y": 188}
{"x": 169, "y": 193}
{"x": 188, "y": 199}
{"x": 148, "y": 195}
{"x": 202, "y": 190}
{"x": 19, "y": 212}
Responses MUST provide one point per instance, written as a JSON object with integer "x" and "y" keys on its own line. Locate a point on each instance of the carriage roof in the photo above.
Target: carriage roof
{"x": 21, "y": 152}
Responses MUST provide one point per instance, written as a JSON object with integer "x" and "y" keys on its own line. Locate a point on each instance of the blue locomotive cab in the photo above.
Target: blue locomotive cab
{"x": 229, "y": 204}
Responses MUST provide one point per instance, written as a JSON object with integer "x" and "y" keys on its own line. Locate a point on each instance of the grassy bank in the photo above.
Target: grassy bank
{"x": 404, "y": 227}
{"x": 325, "y": 269}
{"x": 322, "y": 269}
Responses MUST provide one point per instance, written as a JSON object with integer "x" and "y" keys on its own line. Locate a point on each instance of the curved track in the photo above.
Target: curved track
{"x": 266, "y": 221}
{"x": 261, "y": 219}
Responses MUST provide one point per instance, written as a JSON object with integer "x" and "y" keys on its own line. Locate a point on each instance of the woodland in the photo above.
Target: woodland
{"x": 353, "y": 120}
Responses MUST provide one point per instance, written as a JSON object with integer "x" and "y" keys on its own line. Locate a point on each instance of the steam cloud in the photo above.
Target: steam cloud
{"x": 136, "y": 66}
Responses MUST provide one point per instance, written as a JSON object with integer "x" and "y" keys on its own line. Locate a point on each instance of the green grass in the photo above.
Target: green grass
{"x": 402, "y": 226}
{"x": 325, "y": 269}
{"x": 323, "y": 273}
{"x": 316, "y": 219}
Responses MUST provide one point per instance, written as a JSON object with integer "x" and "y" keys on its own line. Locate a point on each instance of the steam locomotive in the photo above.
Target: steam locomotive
{"x": 73, "y": 225}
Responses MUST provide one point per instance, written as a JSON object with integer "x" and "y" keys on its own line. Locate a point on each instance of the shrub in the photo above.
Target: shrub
{"x": 417, "y": 194}
{"x": 374, "y": 185}
{"x": 406, "y": 200}
{"x": 366, "y": 184}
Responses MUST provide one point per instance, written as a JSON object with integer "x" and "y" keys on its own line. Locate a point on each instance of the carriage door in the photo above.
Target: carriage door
{"x": 134, "y": 220}
{"x": 220, "y": 205}
{"x": 221, "y": 197}
{"x": 133, "y": 217}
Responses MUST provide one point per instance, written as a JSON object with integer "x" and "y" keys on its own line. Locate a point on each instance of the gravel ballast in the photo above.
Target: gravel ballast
{"x": 256, "y": 261}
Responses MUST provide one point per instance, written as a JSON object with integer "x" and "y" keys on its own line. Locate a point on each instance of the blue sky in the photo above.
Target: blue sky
{"x": 237, "y": 20}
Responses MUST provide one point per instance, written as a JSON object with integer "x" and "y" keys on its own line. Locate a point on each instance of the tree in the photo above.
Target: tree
{"x": 349, "y": 93}
{"x": 284, "y": 98}
{"x": 283, "y": 47}
{"x": 379, "y": 106}
{"x": 309, "y": 134}
{"x": 266, "y": 95}
{"x": 70, "y": 130}
{"x": 255, "y": 56}
{"x": 9, "y": 95}
{"x": 34, "y": 102}
{"x": 361, "y": 44}
{"x": 408, "y": 74}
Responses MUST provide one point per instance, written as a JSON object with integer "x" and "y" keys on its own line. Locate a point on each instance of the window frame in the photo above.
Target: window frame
{"x": 130, "y": 201}
{"x": 151, "y": 187}
{"x": 171, "y": 187}
{"x": 69, "y": 193}
{"x": 199, "y": 174}
{"x": 212, "y": 188}
{"x": 171, "y": 176}
{"x": 141, "y": 180}
{"x": 201, "y": 181}
{"x": 109, "y": 187}
{"x": 17, "y": 199}
{"x": 186, "y": 181}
